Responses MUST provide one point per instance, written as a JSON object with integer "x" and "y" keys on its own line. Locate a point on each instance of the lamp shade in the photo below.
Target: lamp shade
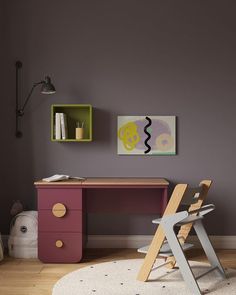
{"x": 47, "y": 86}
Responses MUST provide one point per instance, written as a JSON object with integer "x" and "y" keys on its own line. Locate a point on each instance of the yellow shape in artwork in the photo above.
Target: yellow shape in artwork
{"x": 128, "y": 134}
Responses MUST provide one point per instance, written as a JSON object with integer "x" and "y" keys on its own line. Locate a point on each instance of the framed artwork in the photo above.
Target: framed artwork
{"x": 146, "y": 135}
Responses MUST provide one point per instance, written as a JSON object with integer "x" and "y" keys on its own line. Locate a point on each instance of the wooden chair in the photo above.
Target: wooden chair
{"x": 175, "y": 244}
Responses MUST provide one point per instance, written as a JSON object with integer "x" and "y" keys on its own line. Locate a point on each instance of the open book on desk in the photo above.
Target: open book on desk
{"x": 59, "y": 177}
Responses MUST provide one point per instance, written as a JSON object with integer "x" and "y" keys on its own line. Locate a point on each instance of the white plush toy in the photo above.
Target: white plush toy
{"x": 23, "y": 240}
{"x": 16, "y": 208}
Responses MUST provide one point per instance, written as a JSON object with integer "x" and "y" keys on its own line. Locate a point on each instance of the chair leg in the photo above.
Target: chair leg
{"x": 183, "y": 264}
{"x": 151, "y": 255}
{"x": 159, "y": 236}
{"x": 207, "y": 246}
{"x": 185, "y": 229}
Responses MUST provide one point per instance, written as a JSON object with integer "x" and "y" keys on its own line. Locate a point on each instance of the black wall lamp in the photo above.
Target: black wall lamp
{"x": 46, "y": 88}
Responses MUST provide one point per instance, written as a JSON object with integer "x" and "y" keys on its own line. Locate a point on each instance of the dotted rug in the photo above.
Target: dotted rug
{"x": 119, "y": 278}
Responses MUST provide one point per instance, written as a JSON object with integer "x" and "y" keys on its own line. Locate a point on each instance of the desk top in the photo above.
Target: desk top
{"x": 108, "y": 181}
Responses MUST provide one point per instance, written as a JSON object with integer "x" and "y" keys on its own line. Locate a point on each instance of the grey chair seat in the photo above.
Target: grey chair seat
{"x": 165, "y": 250}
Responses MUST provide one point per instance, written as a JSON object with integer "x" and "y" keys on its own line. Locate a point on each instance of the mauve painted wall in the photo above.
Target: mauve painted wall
{"x": 125, "y": 58}
{"x": 8, "y": 171}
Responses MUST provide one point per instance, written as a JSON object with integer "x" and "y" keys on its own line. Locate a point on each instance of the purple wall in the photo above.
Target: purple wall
{"x": 8, "y": 170}
{"x": 127, "y": 57}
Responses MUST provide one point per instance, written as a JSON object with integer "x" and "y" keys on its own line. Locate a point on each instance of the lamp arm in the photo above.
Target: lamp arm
{"x": 20, "y": 111}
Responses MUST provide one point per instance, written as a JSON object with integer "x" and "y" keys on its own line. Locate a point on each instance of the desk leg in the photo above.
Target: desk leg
{"x": 85, "y": 217}
{"x": 164, "y": 200}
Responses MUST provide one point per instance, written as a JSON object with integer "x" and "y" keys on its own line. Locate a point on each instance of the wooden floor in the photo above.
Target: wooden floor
{"x": 32, "y": 277}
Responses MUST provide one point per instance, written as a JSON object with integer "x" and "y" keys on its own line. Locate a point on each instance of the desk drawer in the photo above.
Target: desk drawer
{"x": 48, "y": 197}
{"x": 70, "y": 222}
{"x": 60, "y": 247}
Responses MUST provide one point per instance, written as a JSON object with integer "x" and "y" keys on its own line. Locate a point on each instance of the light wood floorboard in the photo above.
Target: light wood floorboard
{"x": 32, "y": 277}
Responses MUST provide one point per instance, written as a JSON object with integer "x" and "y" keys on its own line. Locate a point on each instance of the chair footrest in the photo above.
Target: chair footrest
{"x": 165, "y": 250}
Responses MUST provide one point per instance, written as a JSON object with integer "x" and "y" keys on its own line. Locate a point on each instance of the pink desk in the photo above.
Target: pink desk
{"x": 62, "y": 207}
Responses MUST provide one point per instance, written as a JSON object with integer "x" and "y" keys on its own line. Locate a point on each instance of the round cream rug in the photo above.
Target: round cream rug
{"x": 119, "y": 278}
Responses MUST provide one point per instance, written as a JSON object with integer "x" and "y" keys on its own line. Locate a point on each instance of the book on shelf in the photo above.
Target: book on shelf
{"x": 64, "y": 130}
{"x": 57, "y": 126}
{"x": 61, "y": 130}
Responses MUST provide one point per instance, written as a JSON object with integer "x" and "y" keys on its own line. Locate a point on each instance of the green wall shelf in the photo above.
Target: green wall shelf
{"x": 74, "y": 113}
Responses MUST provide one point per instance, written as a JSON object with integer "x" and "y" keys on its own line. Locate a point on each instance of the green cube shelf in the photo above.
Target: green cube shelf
{"x": 74, "y": 113}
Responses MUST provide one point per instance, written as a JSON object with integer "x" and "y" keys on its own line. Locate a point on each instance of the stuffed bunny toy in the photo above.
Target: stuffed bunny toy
{"x": 16, "y": 208}
{"x": 23, "y": 239}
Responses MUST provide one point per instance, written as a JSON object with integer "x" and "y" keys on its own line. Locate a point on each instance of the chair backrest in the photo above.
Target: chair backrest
{"x": 205, "y": 186}
{"x": 186, "y": 228}
{"x": 191, "y": 195}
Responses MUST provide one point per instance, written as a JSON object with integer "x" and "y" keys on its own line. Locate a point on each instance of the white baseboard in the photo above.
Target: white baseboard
{"x": 137, "y": 241}
{"x": 218, "y": 242}
{"x": 117, "y": 241}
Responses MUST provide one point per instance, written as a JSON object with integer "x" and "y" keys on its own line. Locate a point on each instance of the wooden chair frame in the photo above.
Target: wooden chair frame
{"x": 159, "y": 237}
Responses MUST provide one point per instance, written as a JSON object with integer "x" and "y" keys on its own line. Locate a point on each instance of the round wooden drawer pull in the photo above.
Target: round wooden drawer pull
{"x": 59, "y": 244}
{"x": 59, "y": 210}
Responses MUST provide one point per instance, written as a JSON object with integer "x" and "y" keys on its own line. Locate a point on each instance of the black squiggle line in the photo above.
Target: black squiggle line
{"x": 148, "y": 135}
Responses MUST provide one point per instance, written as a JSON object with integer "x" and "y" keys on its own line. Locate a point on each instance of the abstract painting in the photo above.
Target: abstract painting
{"x": 146, "y": 135}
